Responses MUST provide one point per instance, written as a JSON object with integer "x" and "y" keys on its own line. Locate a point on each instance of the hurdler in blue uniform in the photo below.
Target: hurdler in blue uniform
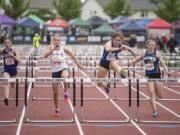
{"x": 112, "y": 51}
{"x": 152, "y": 67}
{"x": 10, "y": 58}
{"x": 152, "y": 60}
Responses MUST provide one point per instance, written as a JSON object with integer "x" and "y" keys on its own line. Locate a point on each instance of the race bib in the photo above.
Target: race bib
{"x": 110, "y": 56}
{"x": 9, "y": 61}
{"x": 149, "y": 66}
{"x": 56, "y": 60}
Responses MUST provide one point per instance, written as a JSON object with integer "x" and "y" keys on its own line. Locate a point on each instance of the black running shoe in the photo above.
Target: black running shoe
{"x": 106, "y": 89}
{"x": 6, "y": 101}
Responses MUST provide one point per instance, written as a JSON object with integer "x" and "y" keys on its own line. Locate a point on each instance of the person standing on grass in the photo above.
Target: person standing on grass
{"x": 109, "y": 60}
{"x": 152, "y": 60}
{"x": 59, "y": 67}
{"x": 10, "y": 57}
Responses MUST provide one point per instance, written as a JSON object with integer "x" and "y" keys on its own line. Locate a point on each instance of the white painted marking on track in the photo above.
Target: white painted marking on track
{"x": 166, "y": 108}
{"x": 134, "y": 123}
{"x": 76, "y": 118}
{"x": 23, "y": 113}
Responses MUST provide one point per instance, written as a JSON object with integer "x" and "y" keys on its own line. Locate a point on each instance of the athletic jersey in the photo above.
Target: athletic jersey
{"x": 151, "y": 63}
{"x": 58, "y": 60}
{"x": 9, "y": 63}
{"x": 107, "y": 56}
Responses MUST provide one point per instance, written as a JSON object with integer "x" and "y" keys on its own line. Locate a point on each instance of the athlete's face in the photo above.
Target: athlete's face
{"x": 151, "y": 45}
{"x": 56, "y": 41}
{"x": 117, "y": 41}
{"x": 7, "y": 44}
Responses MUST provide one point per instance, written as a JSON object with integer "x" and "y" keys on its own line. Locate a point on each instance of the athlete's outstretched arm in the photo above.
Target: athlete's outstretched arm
{"x": 130, "y": 50}
{"x": 68, "y": 52}
{"x": 134, "y": 61}
{"x": 162, "y": 62}
{"x": 17, "y": 56}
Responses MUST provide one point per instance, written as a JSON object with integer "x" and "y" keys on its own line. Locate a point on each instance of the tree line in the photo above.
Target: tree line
{"x": 168, "y": 10}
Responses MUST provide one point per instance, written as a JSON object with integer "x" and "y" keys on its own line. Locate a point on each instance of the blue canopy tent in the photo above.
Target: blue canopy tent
{"x": 144, "y": 22}
{"x": 132, "y": 27}
{"x": 96, "y": 21}
{"x": 28, "y": 22}
{"x": 119, "y": 20}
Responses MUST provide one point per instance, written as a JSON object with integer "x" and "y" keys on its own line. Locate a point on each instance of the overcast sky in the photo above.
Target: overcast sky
{"x": 82, "y": 0}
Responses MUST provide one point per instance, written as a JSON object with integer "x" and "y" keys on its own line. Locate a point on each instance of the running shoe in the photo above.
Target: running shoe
{"x": 106, "y": 89}
{"x": 56, "y": 113}
{"x": 123, "y": 73}
{"x": 66, "y": 98}
{"x": 154, "y": 114}
{"x": 6, "y": 101}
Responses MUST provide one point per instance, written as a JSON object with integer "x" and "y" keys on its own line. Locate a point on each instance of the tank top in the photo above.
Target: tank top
{"x": 151, "y": 63}
{"x": 58, "y": 60}
{"x": 107, "y": 56}
{"x": 9, "y": 63}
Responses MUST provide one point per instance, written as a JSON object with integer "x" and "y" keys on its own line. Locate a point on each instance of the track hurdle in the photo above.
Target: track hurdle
{"x": 54, "y": 80}
{"x": 11, "y": 80}
{"x": 83, "y": 120}
{"x": 165, "y": 80}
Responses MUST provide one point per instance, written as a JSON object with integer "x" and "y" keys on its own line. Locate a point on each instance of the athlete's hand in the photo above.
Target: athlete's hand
{"x": 80, "y": 66}
{"x": 169, "y": 74}
{"x": 122, "y": 48}
{"x": 131, "y": 63}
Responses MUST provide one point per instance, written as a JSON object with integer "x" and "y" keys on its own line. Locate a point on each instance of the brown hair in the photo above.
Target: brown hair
{"x": 118, "y": 34}
{"x": 152, "y": 39}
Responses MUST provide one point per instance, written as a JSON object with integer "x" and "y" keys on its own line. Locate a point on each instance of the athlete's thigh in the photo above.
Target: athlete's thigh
{"x": 114, "y": 65}
{"x": 6, "y": 75}
{"x": 102, "y": 72}
{"x": 64, "y": 73}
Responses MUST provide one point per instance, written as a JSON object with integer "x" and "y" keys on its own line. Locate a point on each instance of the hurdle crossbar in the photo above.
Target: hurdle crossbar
{"x": 28, "y": 120}
{"x": 138, "y": 120}
{"x": 16, "y": 80}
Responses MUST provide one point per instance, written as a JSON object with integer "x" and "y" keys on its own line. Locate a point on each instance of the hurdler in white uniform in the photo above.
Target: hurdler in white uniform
{"x": 58, "y": 60}
{"x": 59, "y": 67}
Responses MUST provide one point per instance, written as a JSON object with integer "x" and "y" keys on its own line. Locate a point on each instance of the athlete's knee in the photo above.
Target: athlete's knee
{"x": 99, "y": 84}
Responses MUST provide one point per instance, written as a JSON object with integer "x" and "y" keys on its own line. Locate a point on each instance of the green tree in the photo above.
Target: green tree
{"x": 156, "y": 2}
{"x": 44, "y": 14}
{"x": 14, "y": 8}
{"x": 68, "y": 9}
{"x": 117, "y": 7}
{"x": 169, "y": 10}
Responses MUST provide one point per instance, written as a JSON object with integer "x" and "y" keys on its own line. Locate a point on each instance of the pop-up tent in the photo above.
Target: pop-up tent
{"x": 58, "y": 22}
{"x": 159, "y": 27}
{"x": 78, "y": 22}
{"x": 6, "y": 20}
{"x": 96, "y": 21}
{"x": 104, "y": 29}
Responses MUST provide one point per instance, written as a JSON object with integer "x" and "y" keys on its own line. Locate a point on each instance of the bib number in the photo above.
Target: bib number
{"x": 9, "y": 61}
{"x": 149, "y": 66}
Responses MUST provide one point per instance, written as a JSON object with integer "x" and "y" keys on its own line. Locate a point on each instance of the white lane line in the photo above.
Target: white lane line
{"x": 23, "y": 113}
{"x": 172, "y": 90}
{"x": 75, "y": 116}
{"x": 166, "y": 108}
{"x": 77, "y": 121}
{"x": 134, "y": 123}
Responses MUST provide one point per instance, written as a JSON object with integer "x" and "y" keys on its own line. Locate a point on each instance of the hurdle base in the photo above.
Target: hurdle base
{"x": 11, "y": 99}
{"x": 27, "y": 120}
{"x": 156, "y": 122}
{"x": 105, "y": 121}
{"x": 9, "y": 121}
{"x": 78, "y": 99}
{"x": 126, "y": 99}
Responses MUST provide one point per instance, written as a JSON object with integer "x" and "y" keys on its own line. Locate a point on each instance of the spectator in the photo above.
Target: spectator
{"x": 171, "y": 44}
